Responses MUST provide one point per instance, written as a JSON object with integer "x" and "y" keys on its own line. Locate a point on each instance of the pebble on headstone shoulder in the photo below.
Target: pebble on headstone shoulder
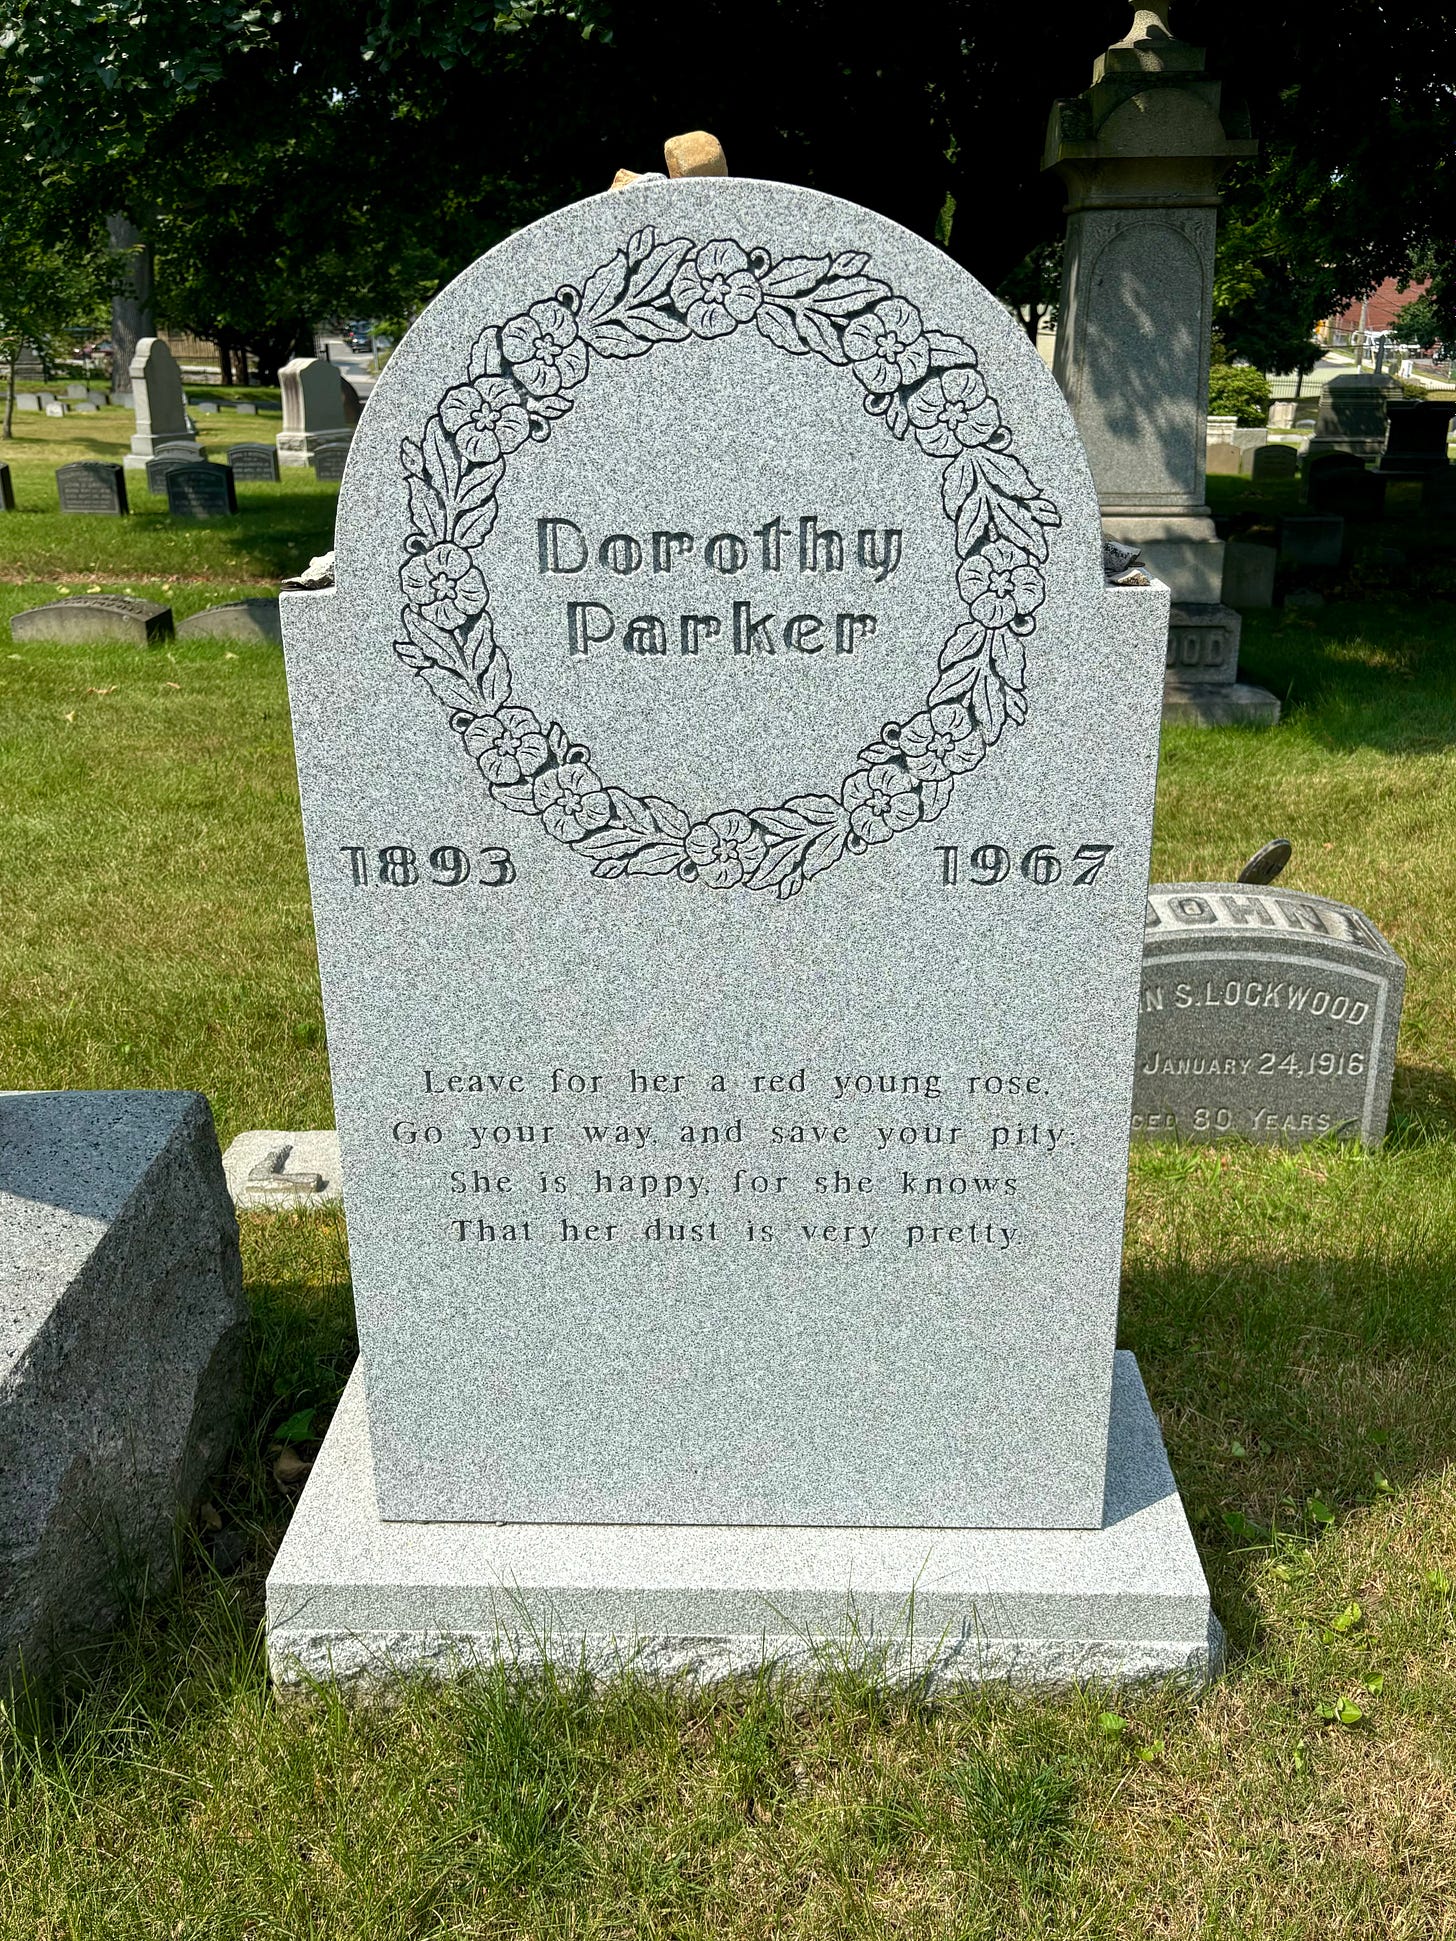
{"x": 698, "y": 153}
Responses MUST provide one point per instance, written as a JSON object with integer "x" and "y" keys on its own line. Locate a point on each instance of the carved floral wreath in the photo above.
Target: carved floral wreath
{"x": 924, "y": 382}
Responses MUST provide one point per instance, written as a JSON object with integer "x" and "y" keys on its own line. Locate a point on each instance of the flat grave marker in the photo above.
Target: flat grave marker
{"x": 201, "y": 492}
{"x": 253, "y": 464}
{"x": 92, "y": 485}
{"x": 1266, "y": 1015}
{"x": 96, "y": 616}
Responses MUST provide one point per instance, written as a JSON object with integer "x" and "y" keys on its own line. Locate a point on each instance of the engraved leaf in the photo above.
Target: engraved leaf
{"x": 518, "y": 796}
{"x": 777, "y": 324}
{"x": 412, "y": 458}
{"x": 946, "y": 350}
{"x": 658, "y": 859}
{"x": 1017, "y": 524}
{"x": 478, "y": 483}
{"x": 495, "y": 682}
{"x": 1044, "y": 512}
{"x": 427, "y": 514}
{"x": 613, "y": 337}
{"x": 556, "y": 407}
{"x": 478, "y": 642}
{"x": 842, "y": 296}
{"x": 436, "y": 642}
{"x": 973, "y": 522}
{"x": 961, "y": 661}
{"x": 617, "y": 845}
{"x": 442, "y": 463}
{"x": 1005, "y": 471}
{"x": 819, "y": 334}
{"x": 795, "y": 276}
{"x": 472, "y": 527}
{"x": 451, "y": 688}
{"x": 897, "y": 417}
{"x": 670, "y": 818}
{"x": 850, "y": 262}
{"x": 933, "y": 798}
{"x": 877, "y": 751}
{"x": 649, "y": 326}
{"x": 654, "y": 278}
{"x": 485, "y": 353}
{"x": 803, "y": 814}
{"x": 639, "y": 244}
{"x": 960, "y": 480}
{"x": 602, "y": 291}
{"x": 1008, "y": 657}
{"x": 807, "y": 834}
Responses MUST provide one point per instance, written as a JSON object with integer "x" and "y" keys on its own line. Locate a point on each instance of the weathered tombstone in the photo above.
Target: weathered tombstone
{"x": 55, "y": 409}
{"x": 1223, "y": 461}
{"x": 96, "y": 616}
{"x": 159, "y": 402}
{"x": 168, "y": 460}
{"x": 1273, "y": 462}
{"x": 329, "y": 461}
{"x": 650, "y": 649}
{"x": 122, "y": 1354}
{"x": 7, "y": 490}
{"x": 86, "y": 404}
{"x": 319, "y": 408}
{"x": 1266, "y": 1015}
{"x": 91, "y": 485}
{"x": 253, "y": 464}
{"x": 1248, "y": 574}
{"x": 249, "y": 620}
{"x": 1415, "y": 444}
{"x": 1312, "y": 539}
{"x": 1352, "y": 416}
{"x": 43, "y": 398}
{"x": 203, "y": 407}
{"x": 75, "y": 390}
{"x": 201, "y": 492}
{"x": 246, "y": 408}
{"x": 27, "y": 401}
{"x": 1354, "y": 492}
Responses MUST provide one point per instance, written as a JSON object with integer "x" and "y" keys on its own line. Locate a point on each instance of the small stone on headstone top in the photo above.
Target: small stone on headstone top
{"x": 92, "y": 485}
{"x": 96, "y": 616}
{"x": 201, "y": 492}
{"x": 1269, "y": 863}
{"x": 247, "y": 620}
{"x": 696, "y": 154}
{"x": 1266, "y": 1015}
{"x": 253, "y": 464}
{"x": 283, "y": 1169}
{"x": 624, "y": 178}
{"x": 316, "y": 577}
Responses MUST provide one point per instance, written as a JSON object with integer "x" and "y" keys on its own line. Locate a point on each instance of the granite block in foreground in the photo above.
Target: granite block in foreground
{"x": 356, "y": 1599}
{"x": 122, "y": 1333}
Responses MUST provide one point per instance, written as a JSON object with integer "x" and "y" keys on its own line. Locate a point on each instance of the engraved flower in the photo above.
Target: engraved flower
{"x": 941, "y": 742}
{"x": 716, "y": 290}
{"x": 952, "y": 412}
{"x": 545, "y": 351}
{"x": 508, "y": 747}
{"x": 445, "y": 584}
{"x": 998, "y": 586}
{"x": 486, "y": 419}
{"x": 881, "y": 801}
{"x": 887, "y": 346}
{"x": 571, "y": 801}
{"x": 726, "y": 848}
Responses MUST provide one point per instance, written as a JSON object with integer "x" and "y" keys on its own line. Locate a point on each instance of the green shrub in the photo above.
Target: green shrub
{"x": 1239, "y": 391}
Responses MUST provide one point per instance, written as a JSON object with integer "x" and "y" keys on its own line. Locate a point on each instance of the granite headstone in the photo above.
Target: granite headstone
{"x": 91, "y": 485}
{"x": 253, "y": 464}
{"x": 254, "y": 621}
{"x": 246, "y": 408}
{"x": 168, "y": 460}
{"x": 96, "y": 616}
{"x": 1273, "y": 462}
{"x": 1418, "y": 431}
{"x": 329, "y": 462}
{"x": 319, "y": 408}
{"x": 727, "y": 781}
{"x": 201, "y": 492}
{"x": 158, "y": 401}
{"x": 27, "y": 401}
{"x": 1352, "y": 415}
{"x": 1266, "y": 1015}
{"x": 55, "y": 409}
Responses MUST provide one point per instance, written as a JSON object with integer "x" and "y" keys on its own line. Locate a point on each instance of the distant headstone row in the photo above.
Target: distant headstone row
{"x": 143, "y": 623}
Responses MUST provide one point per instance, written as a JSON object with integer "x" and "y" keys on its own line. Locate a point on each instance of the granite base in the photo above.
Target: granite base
{"x": 355, "y": 1600}
{"x": 1201, "y": 704}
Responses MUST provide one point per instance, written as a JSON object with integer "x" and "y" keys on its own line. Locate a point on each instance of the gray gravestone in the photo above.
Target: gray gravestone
{"x": 123, "y": 1333}
{"x": 86, "y": 404}
{"x": 7, "y": 490}
{"x": 1274, "y": 462}
{"x": 319, "y": 408}
{"x": 254, "y": 621}
{"x": 91, "y": 485}
{"x": 55, "y": 410}
{"x": 96, "y": 616}
{"x": 1248, "y": 574}
{"x": 1266, "y": 1015}
{"x": 201, "y": 492}
{"x": 1416, "y": 438}
{"x": 75, "y": 390}
{"x": 169, "y": 460}
{"x": 1223, "y": 461}
{"x": 203, "y": 407}
{"x": 27, "y": 401}
{"x": 1351, "y": 416}
{"x": 44, "y": 398}
{"x": 158, "y": 401}
{"x": 253, "y": 464}
{"x": 246, "y": 408}
{"x": 329, "y": 461}
{"x": 1312, "y": 538}
{"x": 719, "y": 605}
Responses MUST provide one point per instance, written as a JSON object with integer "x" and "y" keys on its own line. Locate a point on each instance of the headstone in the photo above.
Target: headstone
{"x": 253, "y": 464}
{"x": 27, "y": 401}
{"x": 1352, "y": 416}
{"x": 329, "y": 462}
{"x": 1415, "y": 444}
{"x": 91, "y": 485}
{"x": 201, "y": 492}
{"x": 122, "y": 1356}
{"x": 75, "y": 390}
{"x": 1266, "y": 1015}
{"x": 44, "y": 398}
{"x": 319, "y": 408}
{"x": 1281, "y": 414}
{"x": 1312, "y": 539}
{"x": 673, "y": 664}
{"x": 248, "y": 620}
{"x": 1223, "y": 461}
{"x": 1248, "y": 574}
{"x": 203, "y": 407}
{"x": 1274, "y": 462}
{"x": 86, "y": 617}
{"x": 1203, "y": 643}
{"x": 120, "y": 398}
{"x": 158, "y": 400}
{"x": 56, "y": 410}
{"x": 7, "y": 490}
{"x": 86, "y": 404}
{"x": 283, "y": 1169}
{"x": 1220, "y": 426}
{"x": 1354, "y": 493}
{"x": 168, "y": 460}
{"x": 246, "y": 408}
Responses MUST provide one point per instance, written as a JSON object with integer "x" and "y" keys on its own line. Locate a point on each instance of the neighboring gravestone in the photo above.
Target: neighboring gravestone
{"x": 158, "y": 400}
{"x": 55, "y": 410}
{"x": 1223, "y": 460}
{"x": 1273, "y": 462}
{"x": 7, "y": 490}
{"x": 86, "y": 404}
{"x": 169, "y": 461}
{"x": 249, "y": 620}
{"x": 91, "y": 485}
{"x": 329, "y": 462}
{"x": 1266, "y": 1015}
{"x": 75, "y": 390}
{"x": 96, "y": 616}
{"x": 728, "y": 812}
{"x": 319, "y": 408}
{"x": 1415, "y": 444}
{"x": 253, "y": 464}
{"x": 245, "y": 408}
{"x": 43, "y": 398}
{"x": 203, "y": 407}
{"x": 27, "y": 401}
{"x": 201, "y": 492}
{"x": 1312, "y": 539}
{"x": 123, "y": 1340}
{"x": 1352, "y": 416}
{"x": 1353, "y": 491}
{"x": 1248, "y": 575}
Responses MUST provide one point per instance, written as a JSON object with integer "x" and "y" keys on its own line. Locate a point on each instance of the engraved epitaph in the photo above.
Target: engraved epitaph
{"x": 253, "y": 464}
{"x": 200, "y": 491}
{"x": 727, "y": 782}
{"x": 90, "y": 485}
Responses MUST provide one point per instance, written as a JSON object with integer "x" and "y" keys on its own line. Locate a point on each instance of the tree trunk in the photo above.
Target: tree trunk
{"x": 10, "y": 363}
{"x": 225, "y": 361}
{"x": 131, "y": 301}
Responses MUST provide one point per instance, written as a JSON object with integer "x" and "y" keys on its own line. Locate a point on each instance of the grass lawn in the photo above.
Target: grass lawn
{"x": 1293, "y": 1314}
